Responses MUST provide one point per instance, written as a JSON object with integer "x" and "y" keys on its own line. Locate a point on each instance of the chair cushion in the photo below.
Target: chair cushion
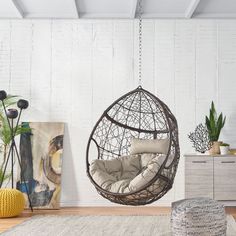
{"x": 149, "y": 146}
{"x": 127, "y": 173}
{"x": 150, "y": 169}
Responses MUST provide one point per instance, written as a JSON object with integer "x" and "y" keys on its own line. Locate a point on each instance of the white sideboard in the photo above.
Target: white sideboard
{"x": 210, "y": 176}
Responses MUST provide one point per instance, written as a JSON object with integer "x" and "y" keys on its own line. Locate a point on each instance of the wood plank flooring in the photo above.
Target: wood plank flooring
{"x": 10, "y": 222}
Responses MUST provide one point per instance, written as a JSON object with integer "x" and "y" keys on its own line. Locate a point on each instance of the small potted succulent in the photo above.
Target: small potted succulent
{"x": 224, "y": 148}
{"x": 214, "y": 124}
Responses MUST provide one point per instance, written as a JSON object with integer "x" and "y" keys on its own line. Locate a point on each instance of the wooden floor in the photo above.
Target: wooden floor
{"x": 9, "y": 222}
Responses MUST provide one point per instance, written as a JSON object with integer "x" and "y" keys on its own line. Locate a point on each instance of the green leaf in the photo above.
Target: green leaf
{"x": 213, "y": 110}
{"x": 214, "y": 124}
{"x": 224, "y": 121}
{"x": 219, "y": 126}
{"x": 6, "y": 176}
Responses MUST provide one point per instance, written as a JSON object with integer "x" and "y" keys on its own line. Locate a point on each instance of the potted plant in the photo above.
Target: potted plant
{"x": 224, "y": 148}
{"x": 5, "y": 135}
{"x": 214, "y": 125}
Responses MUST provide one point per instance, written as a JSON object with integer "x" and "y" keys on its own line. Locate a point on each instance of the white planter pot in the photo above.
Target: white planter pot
{"x": 224, "y": 150}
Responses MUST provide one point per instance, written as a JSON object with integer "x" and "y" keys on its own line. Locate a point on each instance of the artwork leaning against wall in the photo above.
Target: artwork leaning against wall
{"x": 41, "y": 151}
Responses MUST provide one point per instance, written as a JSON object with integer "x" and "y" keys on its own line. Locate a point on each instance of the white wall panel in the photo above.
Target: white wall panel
{"x": 21, "y": 52}
{"x": 72, "y": 70}
{"x": 226, "y": 80}
{"x": 5, "y": 54}
{"x": 61, "y": 70}
{"x": 40, "y": 89}
{"x": 164, "y": 72}
{"x": 185, "y": 77}
{"x": 206, "y": 67}
{"x": 148, "y": 57}
{"x": 123, "y": 49}
{"x": 102, "y": 52}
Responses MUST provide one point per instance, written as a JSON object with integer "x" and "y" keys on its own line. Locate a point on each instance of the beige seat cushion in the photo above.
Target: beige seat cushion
{"x": 126, "y": 174}
{"x": 149, "y": 146}
{"x": 149, "y": 171}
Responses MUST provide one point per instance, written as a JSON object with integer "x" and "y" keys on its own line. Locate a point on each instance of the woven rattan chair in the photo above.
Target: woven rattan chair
{"x": 137, "y": 114}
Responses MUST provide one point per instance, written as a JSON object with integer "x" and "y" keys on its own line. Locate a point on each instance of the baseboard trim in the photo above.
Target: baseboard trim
{"x": 108, "y": 204}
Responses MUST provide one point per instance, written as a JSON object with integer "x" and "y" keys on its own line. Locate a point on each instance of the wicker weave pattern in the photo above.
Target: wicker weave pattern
{"x": 198, "y": 217}
{"x": 137, "y": 114}
{"x": 12, "y": 202}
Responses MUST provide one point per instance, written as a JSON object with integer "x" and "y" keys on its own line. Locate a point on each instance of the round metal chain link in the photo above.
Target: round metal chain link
{"x": 140, "y": 42}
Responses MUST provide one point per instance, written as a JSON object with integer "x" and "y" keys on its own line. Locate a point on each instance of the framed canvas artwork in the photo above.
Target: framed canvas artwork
{"x": 41, "y": 157}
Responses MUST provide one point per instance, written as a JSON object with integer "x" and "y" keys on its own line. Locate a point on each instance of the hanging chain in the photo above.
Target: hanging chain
{"x": 140, "y": 42}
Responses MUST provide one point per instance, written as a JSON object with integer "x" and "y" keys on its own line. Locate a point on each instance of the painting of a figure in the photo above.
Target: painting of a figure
{"x": 41, "y": 158}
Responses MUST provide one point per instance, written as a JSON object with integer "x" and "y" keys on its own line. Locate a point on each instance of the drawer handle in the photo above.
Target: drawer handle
{"x": 228, "y": 162}
{"x": 199, "y": 162}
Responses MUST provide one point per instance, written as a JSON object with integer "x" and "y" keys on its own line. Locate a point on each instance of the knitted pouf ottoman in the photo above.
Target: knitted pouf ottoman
{"x": 198, "y": 217}
{"x": 12, "y": 202}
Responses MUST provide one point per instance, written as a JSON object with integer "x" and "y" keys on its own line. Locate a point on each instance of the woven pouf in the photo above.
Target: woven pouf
{"x": 12, "y": 202}
{"x": 198, "y": 217}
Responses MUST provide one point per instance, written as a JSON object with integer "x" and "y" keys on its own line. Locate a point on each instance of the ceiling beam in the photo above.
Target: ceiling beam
{"x": 77, "y": 7}
{"x": 215, "y": 16}
{"x": 104, "y": 16}
{"x": 191, "y": 8}
{"x": 163, "y": 15}
{"x": 133, "y": 8}
{"x": 18, "y": 8}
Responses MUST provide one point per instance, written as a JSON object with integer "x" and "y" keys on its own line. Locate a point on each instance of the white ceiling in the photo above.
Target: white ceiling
{"x": 73, "y": 9}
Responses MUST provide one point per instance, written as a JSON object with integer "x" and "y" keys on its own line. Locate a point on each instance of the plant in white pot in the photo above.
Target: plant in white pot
{"x": 224, "y": 148}
{"x": 214, "y": 125}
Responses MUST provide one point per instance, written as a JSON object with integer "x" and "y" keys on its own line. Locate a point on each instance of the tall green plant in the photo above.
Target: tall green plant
{"x": 214, "y": 123}
{"x": 5, "y": 133}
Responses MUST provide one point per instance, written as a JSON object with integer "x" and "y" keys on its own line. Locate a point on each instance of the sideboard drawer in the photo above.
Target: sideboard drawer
{"x": 198, "y": 177}
{"x": 225, "y": 178}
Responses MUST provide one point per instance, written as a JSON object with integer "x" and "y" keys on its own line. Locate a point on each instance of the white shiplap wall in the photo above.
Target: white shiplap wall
{"x": 71, "y": 70}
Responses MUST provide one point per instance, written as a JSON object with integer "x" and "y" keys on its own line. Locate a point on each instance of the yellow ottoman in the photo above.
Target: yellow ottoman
{"x": 12, "y": 202}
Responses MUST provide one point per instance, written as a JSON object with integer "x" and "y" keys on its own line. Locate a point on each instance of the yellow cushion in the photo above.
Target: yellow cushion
{"x": 12, "y": 202}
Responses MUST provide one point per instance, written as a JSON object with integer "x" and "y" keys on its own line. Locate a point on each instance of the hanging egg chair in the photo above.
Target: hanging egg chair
{"x": 137, "y": 115}
{"x": 133, "y": 151}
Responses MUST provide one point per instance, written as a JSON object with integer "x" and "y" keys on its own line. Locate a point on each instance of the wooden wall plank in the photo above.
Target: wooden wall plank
{"x": 164, "y": 62}
{"x": 164, "y": 79}
{"x": 122, "y": 72}
{"x": 21, "y": 50}
{"x": 206, "y": 67}
{"x": 40, "y": 88}
{"x": 61, "y": 70}
{"x": 184, "y": 90}
{"x": 227, "y": 81}
{"x": 148, "y": 57}
{"x": 5, "y": 54}
{"x": 102, "y": 67}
